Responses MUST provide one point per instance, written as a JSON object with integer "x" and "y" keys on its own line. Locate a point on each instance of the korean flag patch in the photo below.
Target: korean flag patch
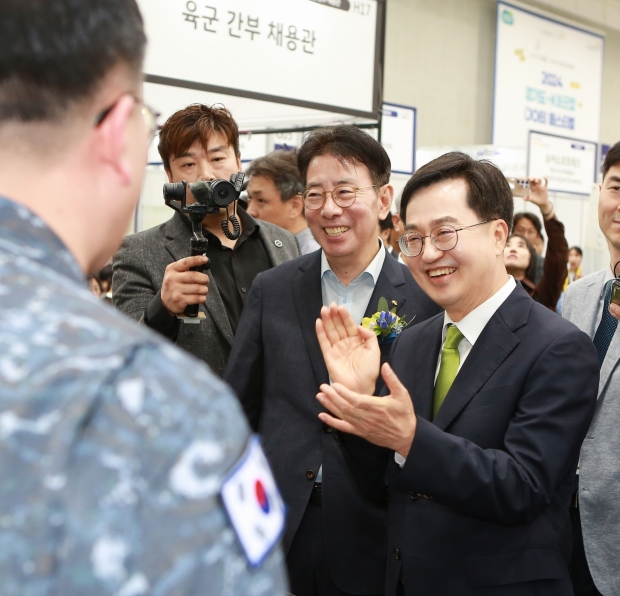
{"x": 254, "y": 504}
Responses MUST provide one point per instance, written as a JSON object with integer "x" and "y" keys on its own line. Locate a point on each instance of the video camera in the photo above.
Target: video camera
{"x": 211, "y": 196}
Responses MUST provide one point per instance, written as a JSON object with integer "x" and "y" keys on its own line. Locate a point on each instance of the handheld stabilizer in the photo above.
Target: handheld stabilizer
{"x": 211, "y": 196}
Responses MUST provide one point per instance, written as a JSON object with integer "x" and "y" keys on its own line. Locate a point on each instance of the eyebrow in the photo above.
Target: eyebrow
{"x": 613, "y": 179}
{"x": 435, "y": 223}
{"x": 344, "y": 181}
{"x": 192, "y": 154}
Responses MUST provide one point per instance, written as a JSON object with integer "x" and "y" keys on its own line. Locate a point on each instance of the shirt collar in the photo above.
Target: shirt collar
{"x": 27, "y": 235}
{"x": 374, "y": 268}
{"x": 472, "y": 324}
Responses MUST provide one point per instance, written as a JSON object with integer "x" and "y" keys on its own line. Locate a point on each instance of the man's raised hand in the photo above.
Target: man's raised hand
{"x": 351, "y": 352}
{"x": 182, "y": 287}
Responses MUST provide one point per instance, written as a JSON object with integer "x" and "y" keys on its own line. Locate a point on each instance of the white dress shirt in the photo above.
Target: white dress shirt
{"x": 471, "y": 326}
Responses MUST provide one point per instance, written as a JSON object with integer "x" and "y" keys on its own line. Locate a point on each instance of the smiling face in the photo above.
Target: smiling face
{"x": 609, "y": 211}
{"x": 460, "y": 279}
{"x": 348, "y": 236}
{"x": 517, "y": 256}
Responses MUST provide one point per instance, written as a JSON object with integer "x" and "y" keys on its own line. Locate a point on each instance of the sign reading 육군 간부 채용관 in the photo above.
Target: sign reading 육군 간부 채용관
{"x": 284, "y": 51}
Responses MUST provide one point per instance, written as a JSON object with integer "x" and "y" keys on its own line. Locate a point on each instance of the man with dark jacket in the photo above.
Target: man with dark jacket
{"x": 335, "y": 535}
{"x": 152, "y": 278}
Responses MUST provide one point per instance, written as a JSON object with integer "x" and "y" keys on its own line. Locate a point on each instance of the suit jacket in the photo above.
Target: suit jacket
{"x": 139, "y": 268}
{"x": 599, "y": 464}
{"x": 481, "y": 505}
{"x": 276, "y": 368}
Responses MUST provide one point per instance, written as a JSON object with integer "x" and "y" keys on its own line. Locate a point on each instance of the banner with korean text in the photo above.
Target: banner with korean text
{"x": 321, "y": 54}
{"x": 548, "y": 78}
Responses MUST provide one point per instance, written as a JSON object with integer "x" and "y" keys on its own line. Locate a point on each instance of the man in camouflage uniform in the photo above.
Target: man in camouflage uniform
{"x": 114, "y": 445}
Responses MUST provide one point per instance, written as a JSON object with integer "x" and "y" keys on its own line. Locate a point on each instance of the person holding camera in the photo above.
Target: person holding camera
{"x": 520, "y": 255}
{"x": 153, "y": 277}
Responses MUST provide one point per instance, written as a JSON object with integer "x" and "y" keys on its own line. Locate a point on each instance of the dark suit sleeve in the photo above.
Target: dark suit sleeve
{"x": 244, "y": 372}
{"x": 134, "y": 291}
{"x": 541, "y": 443}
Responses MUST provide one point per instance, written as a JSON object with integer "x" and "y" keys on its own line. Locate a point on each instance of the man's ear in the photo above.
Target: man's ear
{"x": 169, "y": 174}
{"x": 386, "y": 196}
{"x": 239, "y": 168}
{"x": 295, "y": 206}
{"x": 500, "y": 235}
{"x": 112, "y": 135}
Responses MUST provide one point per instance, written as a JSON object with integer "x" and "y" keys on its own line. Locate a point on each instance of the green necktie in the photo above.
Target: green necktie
{"x": 449, "y": 366}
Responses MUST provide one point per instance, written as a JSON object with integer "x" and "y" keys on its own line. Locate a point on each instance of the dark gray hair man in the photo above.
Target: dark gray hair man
{"x": 114, "y": 445}
{"x": 274, "y": 192}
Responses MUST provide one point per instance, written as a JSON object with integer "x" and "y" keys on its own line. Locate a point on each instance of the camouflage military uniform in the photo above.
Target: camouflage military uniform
{"x": 113, "y": 444}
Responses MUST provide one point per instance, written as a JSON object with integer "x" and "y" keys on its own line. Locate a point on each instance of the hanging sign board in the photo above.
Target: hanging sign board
{"x": 569, "y": 165}
{"x": 548, "y": 77}
{"x": 284, "y": 51}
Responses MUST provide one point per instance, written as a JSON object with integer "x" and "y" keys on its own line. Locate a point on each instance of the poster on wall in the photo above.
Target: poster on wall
{"x": 398, "y": 136}
{"x": 283, "y": 51}
{"x": 569, "y": 165}
{"x": 548, "y": 77}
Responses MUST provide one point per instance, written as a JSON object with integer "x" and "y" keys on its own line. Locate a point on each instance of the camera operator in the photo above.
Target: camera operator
{"x": 152, "y": 278}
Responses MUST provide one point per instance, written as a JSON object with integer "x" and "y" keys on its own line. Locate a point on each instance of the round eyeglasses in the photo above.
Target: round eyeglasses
{"x": 344, "y": 196}
{"x": 443, "y": 237}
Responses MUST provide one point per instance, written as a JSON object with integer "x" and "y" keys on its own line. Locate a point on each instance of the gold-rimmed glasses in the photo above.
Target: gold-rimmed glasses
{"x": 343, "y": 195}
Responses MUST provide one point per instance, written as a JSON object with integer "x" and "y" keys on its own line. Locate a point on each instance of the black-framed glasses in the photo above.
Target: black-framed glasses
{"x": 344, "y": 196}
{"x": 443, "y": 237}
{"x": 149, "y": 114}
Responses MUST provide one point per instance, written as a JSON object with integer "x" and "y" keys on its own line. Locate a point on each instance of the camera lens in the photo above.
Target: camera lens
{"x": 223, "y": 193}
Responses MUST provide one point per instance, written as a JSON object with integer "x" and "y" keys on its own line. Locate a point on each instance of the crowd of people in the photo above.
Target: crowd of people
{"x": 367, "y": 403}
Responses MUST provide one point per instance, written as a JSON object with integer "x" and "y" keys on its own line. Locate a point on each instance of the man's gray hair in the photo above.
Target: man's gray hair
{"x": 281, "y": 167}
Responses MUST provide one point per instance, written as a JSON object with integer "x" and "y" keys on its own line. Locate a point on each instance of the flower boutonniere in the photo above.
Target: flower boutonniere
{"x": 385, "y": 323}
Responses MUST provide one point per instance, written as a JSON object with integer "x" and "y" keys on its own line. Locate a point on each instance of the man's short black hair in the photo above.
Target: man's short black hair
{"x": 346, "y": 142}
{"x": 489, "y": 195}
{"x": 55, "y": 53}
{"x": 387, "y": 223}
{"x": 611, "y": 159}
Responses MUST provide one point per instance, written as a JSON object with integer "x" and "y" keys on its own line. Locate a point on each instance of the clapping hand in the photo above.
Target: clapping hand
{"x": 351, "y": 352}
{"x": 387, "y": 421}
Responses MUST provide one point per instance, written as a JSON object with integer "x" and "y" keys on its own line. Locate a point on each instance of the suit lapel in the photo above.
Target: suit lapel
{"x": 177, "y": 244}
{"x": 308, "y": 303}
{"x": 588, "y": 306}
{"x": 390, "y": 278}
{"x": 494, "y": 345}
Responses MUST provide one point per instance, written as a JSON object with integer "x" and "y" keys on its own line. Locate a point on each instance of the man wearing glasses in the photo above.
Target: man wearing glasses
{"x": 336, "y": 528}
{"x": 485, "y": 405}
{"x": 153, "y": 277}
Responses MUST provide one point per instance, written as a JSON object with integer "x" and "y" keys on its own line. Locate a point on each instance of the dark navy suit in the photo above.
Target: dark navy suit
{"x": 276, "y": 368}
{"x": 481, "y": 504}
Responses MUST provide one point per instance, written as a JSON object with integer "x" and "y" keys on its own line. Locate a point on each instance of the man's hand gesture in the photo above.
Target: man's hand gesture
{"x": 351, "y": 352}
{"x": 388, "y": 421}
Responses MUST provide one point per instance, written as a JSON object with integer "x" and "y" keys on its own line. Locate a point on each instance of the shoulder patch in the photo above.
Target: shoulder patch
{"x": 253, "y": 503}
